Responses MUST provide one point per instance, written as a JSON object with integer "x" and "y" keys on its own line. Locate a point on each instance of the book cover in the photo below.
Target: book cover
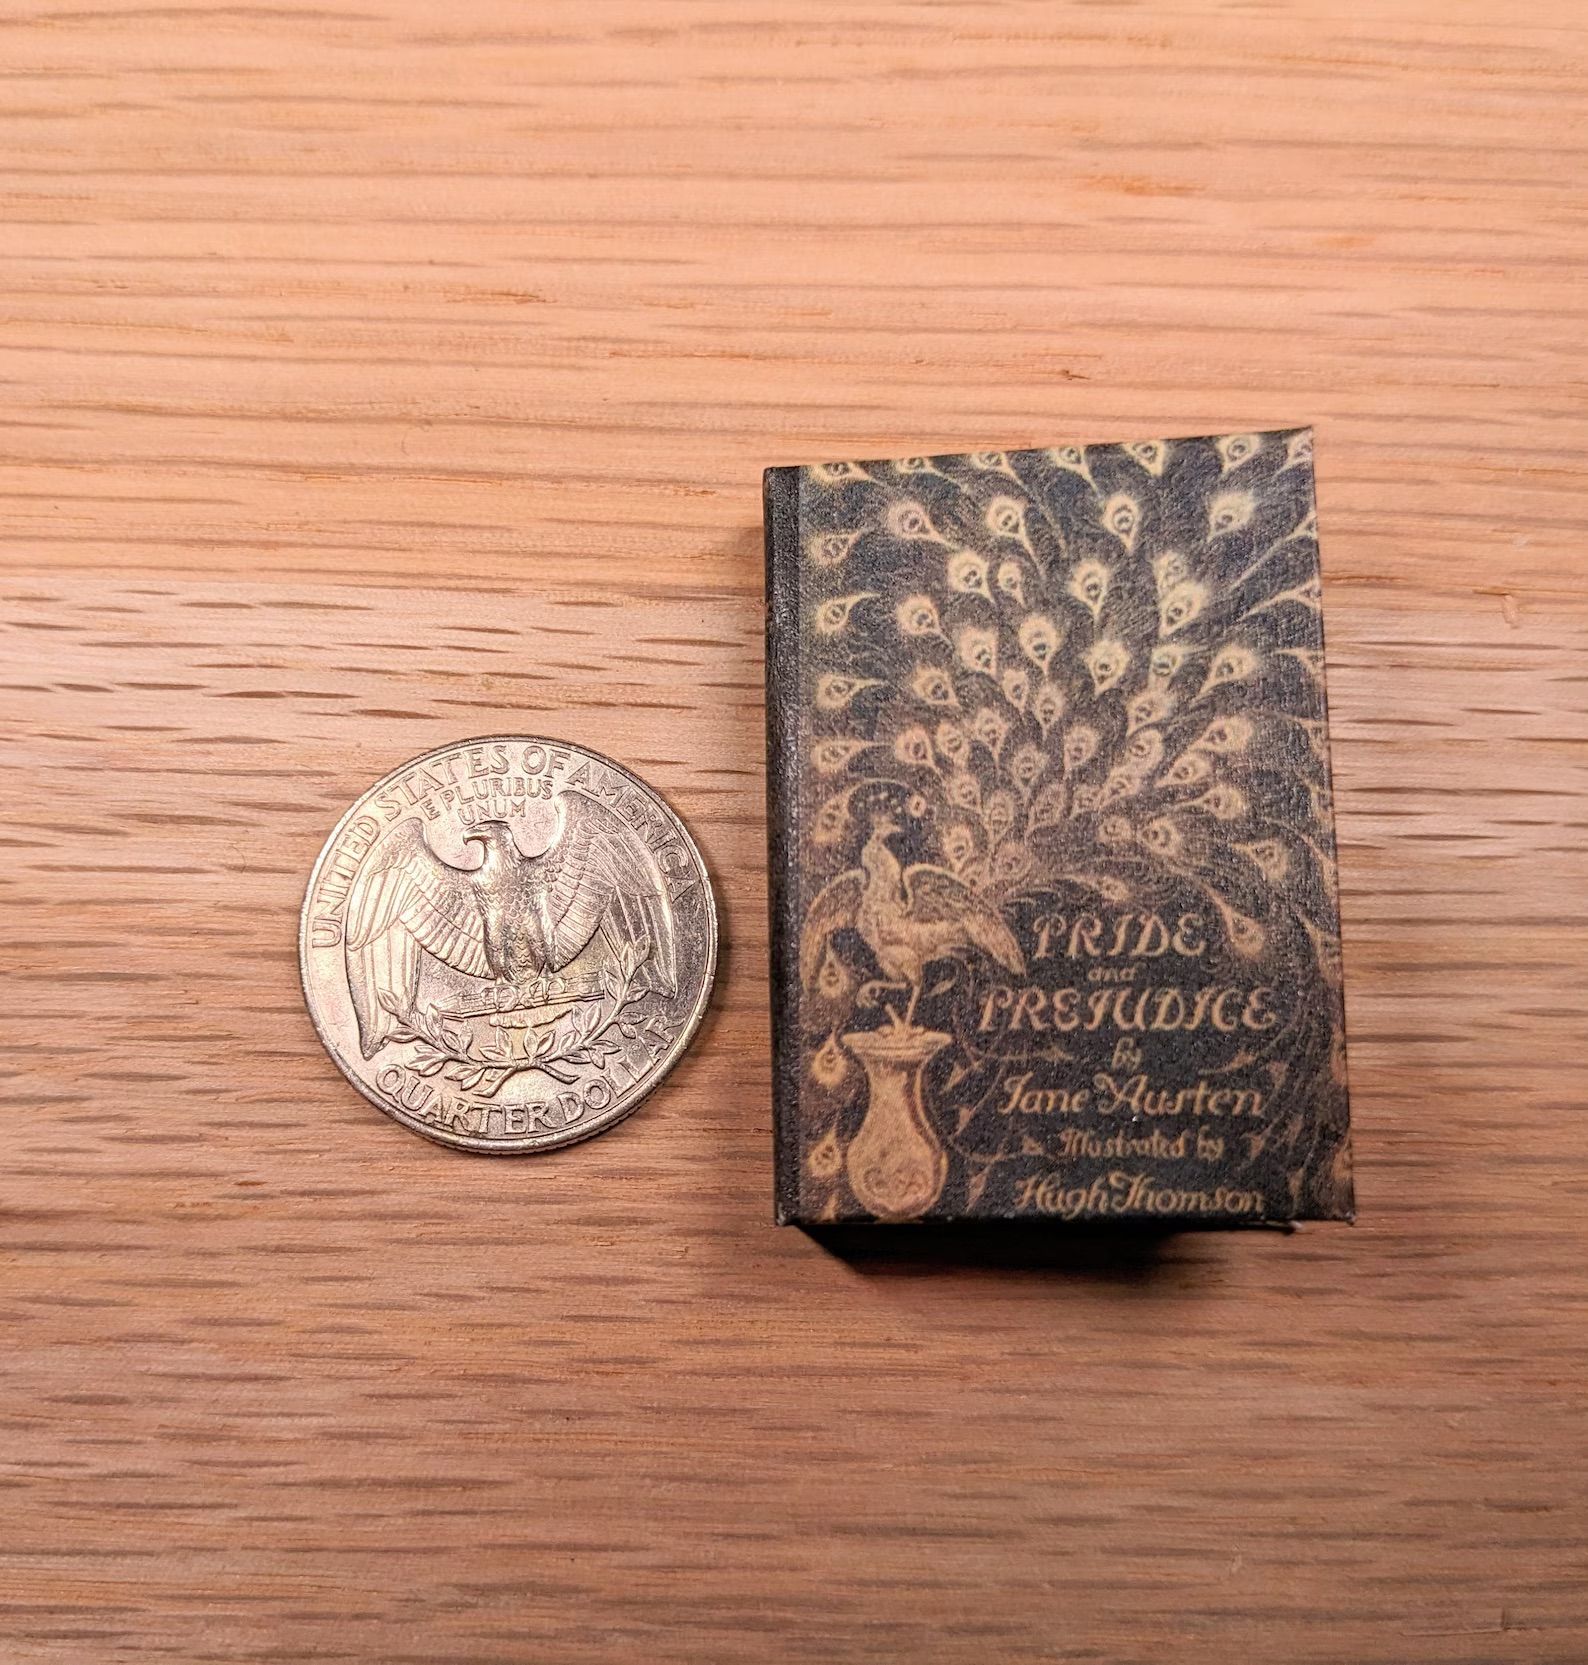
{"x": 1055, "y": 928}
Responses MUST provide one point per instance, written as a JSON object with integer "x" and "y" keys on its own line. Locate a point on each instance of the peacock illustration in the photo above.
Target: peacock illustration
{"x": 1106, "y": 662}
{"x": 909, "y": 918}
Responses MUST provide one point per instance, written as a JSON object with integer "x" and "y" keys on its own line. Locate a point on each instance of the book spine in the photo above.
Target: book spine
{"x": 780, "y": 497}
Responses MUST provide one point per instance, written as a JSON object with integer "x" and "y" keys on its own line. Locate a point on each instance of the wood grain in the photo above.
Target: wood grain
{"x": 381, "y": 372}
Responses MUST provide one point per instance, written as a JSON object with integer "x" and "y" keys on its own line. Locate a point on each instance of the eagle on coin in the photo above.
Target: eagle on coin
{"x": 512, "y": 918}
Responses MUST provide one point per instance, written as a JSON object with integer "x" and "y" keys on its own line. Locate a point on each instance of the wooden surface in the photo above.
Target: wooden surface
{"x": 377, "y": 374}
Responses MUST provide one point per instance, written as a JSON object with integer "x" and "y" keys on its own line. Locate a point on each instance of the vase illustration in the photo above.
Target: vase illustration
{"x": 897, "y": 1164}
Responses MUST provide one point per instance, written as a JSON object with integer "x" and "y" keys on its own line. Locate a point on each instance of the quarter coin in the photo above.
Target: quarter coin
{"x": 507, "y": 943}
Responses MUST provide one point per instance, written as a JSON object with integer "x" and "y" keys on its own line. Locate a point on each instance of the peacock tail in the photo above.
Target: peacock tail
{"x": 1101, "y": 663}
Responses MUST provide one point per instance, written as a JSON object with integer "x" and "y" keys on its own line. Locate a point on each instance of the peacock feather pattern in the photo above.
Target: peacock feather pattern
{"x": 1081, "y": 676}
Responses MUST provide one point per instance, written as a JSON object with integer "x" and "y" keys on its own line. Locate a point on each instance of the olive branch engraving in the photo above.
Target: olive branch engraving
{"x": 578, "y": 1038}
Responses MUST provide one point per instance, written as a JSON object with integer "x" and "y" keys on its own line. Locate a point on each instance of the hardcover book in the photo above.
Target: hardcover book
{"x": 1055, "y": 928}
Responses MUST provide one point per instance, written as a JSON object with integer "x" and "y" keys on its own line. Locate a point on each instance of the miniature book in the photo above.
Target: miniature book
{"x": 1055, "y": 929}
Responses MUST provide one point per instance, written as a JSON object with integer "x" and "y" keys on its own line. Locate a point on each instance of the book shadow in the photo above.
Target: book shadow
{"x": 1131, "y": 1255}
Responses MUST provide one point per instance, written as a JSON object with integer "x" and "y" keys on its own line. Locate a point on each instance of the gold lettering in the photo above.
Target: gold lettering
{"x": 1030, "y": 1006}
{"x": 1154, "y": 938}
{"x": 1084, "y": 933}
{"x": 1190, "y": 937}
{"x": 1256, "y": 1014}
{"x": 999, "y": 999}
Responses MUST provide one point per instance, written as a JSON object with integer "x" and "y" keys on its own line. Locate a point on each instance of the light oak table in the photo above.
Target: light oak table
{"x": 381, "y": 373}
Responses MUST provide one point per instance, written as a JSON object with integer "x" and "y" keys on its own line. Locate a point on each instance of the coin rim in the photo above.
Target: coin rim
{"x": 470, "y": 1142}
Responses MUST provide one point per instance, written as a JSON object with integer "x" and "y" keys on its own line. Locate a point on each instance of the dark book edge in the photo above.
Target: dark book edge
{"x": 780, "y": 504}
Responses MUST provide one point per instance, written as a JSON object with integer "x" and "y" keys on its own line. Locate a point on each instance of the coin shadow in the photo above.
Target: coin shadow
{"x": 712, "y": 1015}
{"x": 1125, "y": 1255}
{"x": 723, "y": 972}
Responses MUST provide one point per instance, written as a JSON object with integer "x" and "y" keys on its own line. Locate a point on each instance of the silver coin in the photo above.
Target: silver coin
{"x": 507, "y": 943}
